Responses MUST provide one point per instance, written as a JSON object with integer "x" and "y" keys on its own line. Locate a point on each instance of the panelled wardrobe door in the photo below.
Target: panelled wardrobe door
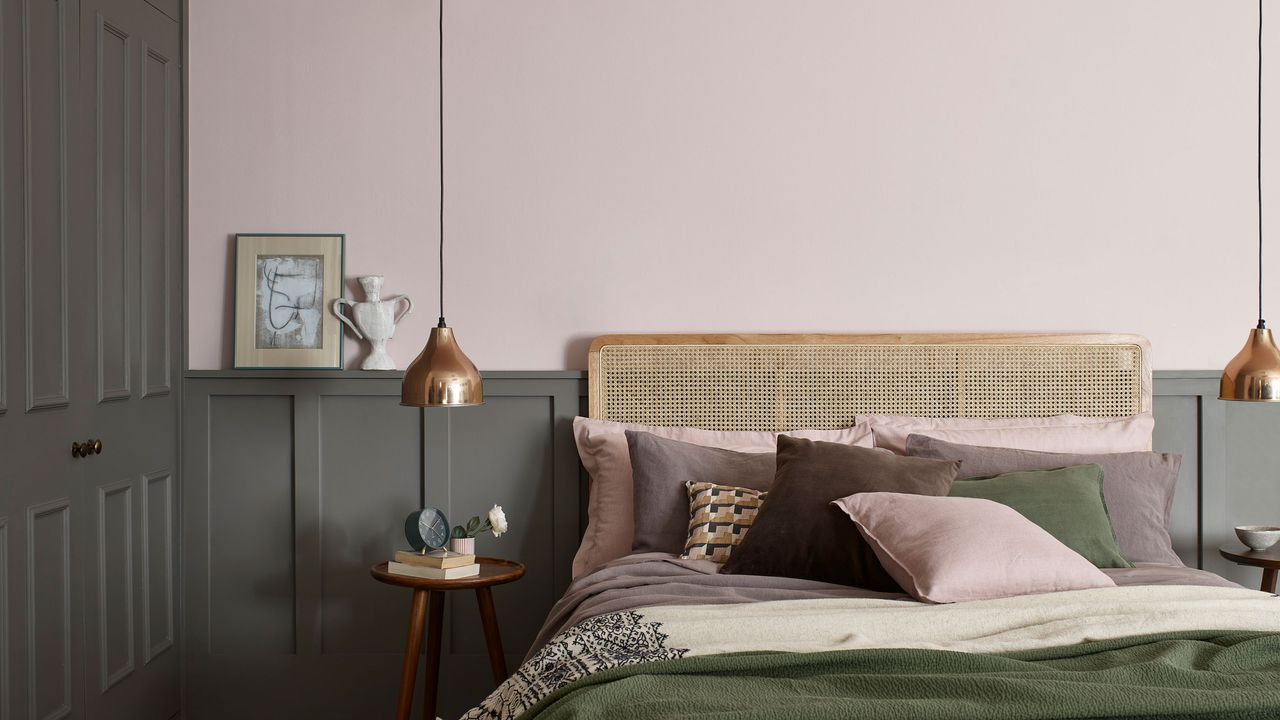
{"x": 90, "y": 178}
{"x": 44, "y": 396}
{"x": 129, "y": 69}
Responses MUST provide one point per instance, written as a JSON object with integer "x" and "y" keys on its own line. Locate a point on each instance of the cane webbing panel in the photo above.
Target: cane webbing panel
{"x": 786, "y": 386}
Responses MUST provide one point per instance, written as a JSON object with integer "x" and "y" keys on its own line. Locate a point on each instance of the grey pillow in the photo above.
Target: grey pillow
{"x": 660, "y": 467}
{"x": 1138, "y": 486}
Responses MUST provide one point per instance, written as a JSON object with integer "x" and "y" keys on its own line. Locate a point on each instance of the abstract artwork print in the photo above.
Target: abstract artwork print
{"x": 289, "y": 302}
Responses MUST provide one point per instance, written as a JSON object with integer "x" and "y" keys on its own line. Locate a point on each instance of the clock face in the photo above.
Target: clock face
{"x": 434, "y": 528}
{"x": 427, "y": 529}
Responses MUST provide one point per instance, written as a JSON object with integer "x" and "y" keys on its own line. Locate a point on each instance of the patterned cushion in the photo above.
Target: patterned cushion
{"x": 719, "y": 517}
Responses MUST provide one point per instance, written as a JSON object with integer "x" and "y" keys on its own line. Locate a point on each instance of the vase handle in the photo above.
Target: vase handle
{"x": 337, "y": 310}
{"x": 408, "y": 306}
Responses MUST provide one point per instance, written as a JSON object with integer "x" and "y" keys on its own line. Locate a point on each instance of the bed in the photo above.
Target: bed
{"x": 652, "y": 635}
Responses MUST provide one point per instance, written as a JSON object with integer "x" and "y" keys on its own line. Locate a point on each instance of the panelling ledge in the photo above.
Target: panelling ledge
{"x": 515, "y": 374}
{"x": 370, "y": 374}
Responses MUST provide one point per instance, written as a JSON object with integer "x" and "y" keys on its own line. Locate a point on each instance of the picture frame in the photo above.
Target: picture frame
{"x": 285, "y": 285}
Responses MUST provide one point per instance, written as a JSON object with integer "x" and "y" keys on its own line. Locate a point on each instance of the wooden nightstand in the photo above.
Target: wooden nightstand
{"x": 1268, "y": 560}
{"x": 492, "y": 572}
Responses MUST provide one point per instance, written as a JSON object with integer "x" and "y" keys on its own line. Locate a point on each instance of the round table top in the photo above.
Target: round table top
{"x": 1237, "y": 553}
{"x": 493, "y": 571}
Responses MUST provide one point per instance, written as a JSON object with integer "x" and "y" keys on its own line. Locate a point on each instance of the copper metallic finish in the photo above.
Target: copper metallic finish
{"x": 1254, "y": 373}
{"x": 442, "y": 376}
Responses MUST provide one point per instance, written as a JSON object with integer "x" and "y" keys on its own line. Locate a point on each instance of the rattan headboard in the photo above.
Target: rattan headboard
{"x": 783, "y": 382}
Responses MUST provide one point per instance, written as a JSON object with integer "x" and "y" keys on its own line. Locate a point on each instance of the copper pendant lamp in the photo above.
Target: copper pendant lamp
{"x": 441, "y": 375}
{"x": 1254, "y": 373}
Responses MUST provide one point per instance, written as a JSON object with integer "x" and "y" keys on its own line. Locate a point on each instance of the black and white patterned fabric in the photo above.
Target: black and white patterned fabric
{"x": 598, "y": 643}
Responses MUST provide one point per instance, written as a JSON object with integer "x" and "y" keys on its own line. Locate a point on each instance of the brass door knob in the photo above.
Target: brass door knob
{"x": 87, "y": 448}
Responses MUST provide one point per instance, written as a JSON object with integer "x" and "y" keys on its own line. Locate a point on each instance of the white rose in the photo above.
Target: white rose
{"x": 497, "y": 520}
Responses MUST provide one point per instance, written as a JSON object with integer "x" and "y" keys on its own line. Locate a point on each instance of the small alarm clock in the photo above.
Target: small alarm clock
{"x": 427, "y": 529}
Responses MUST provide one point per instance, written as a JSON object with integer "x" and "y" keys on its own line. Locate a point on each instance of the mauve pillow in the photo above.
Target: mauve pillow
{"x": 602, "y": 446}
{"x": 1061, "y": 433}
{"x": 660, "y": 471}
{"x": 1138, "y": 486}
{"x": 798, "y": 533}
{"x": 950, "y": 549}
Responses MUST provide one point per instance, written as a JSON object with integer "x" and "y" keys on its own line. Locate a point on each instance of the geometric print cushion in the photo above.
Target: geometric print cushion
{"x": 719, "y": 517}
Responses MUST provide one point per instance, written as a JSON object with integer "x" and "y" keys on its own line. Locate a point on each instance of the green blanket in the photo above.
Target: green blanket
{"x": 1226, "y": 676}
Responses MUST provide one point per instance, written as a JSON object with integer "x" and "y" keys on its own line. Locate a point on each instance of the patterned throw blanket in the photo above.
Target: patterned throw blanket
{"x": 1185, "y": 676}
{"x": 611, "y": 634}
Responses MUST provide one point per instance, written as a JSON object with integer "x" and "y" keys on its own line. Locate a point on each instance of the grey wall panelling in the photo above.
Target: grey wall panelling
{"x": 4, "y": 619}
{"x": 4, "y": 296}
{"x": 297, "y": 482}
{"x": 294, "y": 486}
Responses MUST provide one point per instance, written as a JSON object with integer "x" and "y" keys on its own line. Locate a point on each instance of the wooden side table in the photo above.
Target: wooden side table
{"x": 492, "y": 572}
{"x": 1268, "y": 560}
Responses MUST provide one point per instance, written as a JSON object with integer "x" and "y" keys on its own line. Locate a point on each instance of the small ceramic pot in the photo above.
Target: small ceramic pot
{"x": 1258, "y": 537}
{"x": 462, "y": 546}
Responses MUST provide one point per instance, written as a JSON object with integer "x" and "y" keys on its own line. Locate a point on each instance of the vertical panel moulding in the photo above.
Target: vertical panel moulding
{"x": 437, "y": 487}
{"x": 153, "y": 643}
{"x": 437, "y": 482}
{"x": 61, "y": 397}
{"x": 4, "y": 354}
{"x": 62, "y": 508}
{"x": 155, "y": 381}
{"x": 109, "y": 676}
{"x": 6, "y": 697}
{"x": 1210, "y": 418}
{"x": 308, "y": 564}
{"x": 564, "y": 484}
{"x": 249, "y": 540}
{"x": 1214, "y": 481}
{"x": 122, "y": 390}
{"x": 196, "y": 508}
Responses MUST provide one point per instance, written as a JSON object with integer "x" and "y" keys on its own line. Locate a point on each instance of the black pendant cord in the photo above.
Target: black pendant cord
{"x": 1261, "y": 323}
{"x": 441, "y": 67}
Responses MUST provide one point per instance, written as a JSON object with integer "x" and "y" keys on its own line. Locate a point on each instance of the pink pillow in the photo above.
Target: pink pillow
{"x": 602, "y": 445}
{"x": 1060, "y": 433}
{"x": 953, "y": 549}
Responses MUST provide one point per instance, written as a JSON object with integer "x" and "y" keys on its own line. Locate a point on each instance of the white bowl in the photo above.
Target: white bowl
{"x": 1258, "y": 537}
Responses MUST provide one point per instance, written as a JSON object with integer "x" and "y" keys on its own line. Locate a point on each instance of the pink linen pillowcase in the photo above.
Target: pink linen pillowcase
{"x": 955, "y": 549}
{"x": 602, "y": 446}
{"x": 1060, "y": 433}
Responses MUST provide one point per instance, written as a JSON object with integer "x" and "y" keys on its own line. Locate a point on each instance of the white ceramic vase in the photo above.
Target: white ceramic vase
{"x": 375, "y": 321}
{"x": 463, "y": 545}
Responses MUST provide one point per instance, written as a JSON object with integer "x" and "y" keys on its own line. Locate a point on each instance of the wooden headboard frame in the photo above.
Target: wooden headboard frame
{"x": 783, "y": 382}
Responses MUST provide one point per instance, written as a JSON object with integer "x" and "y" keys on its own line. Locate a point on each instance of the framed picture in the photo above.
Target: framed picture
{"x": 285, "y": 285}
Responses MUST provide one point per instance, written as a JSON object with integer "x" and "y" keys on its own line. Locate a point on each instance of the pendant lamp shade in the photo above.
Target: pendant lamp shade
{"x": 441, "y": 376}
{"x": 1254, "y": 373}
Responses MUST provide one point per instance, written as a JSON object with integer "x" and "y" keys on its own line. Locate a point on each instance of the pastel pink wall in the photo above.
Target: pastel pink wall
{"x": 743, "y": 165}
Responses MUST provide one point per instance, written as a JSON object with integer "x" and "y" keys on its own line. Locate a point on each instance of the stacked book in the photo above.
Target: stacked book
{"x": 435, "y": 565}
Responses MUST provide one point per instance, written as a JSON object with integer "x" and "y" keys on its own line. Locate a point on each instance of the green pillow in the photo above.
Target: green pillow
{"x": 1067, "y": 503}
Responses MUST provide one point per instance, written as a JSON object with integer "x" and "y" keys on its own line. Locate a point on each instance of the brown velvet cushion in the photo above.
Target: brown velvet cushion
{"x": 799, "y": 533}
{"x": 660, "y": 469}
